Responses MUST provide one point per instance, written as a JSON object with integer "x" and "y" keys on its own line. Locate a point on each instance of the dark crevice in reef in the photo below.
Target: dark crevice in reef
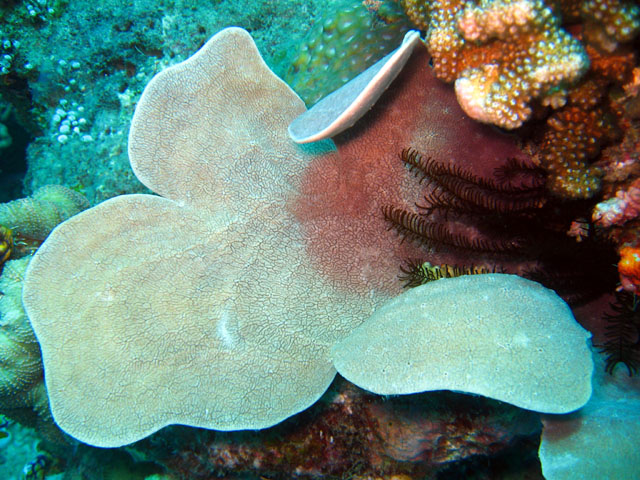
{"x": 13, "y": 161}
{"x": 521, "y": 458}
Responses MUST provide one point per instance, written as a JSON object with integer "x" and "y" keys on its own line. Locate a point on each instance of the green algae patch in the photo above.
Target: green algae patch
{"x": 495, "y": 335}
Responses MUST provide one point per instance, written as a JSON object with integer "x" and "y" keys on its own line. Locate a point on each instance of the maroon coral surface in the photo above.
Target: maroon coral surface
{"x": 342, "y": 194}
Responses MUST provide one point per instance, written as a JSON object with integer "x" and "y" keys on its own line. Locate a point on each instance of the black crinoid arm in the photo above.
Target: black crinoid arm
{"x": 622, "y": 333}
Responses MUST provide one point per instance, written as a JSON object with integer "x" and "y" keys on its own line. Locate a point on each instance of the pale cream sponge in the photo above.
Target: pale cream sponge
{"x": 495, "y": 335}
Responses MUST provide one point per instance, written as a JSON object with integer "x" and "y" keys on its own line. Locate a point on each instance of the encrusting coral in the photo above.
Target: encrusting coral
{"x": 32, "y": 218}
{"x": 186, "y": 336}
{"x": 20, "y": 363}
{"x": 24, "y": 224}
{"x": 22, "y": 392}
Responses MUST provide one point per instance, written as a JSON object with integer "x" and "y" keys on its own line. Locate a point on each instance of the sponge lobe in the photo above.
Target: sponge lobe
{"x": 495, "y": 335}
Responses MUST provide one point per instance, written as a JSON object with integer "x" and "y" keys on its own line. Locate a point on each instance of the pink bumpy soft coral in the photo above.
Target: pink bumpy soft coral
{"x": 620, "y": 209}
